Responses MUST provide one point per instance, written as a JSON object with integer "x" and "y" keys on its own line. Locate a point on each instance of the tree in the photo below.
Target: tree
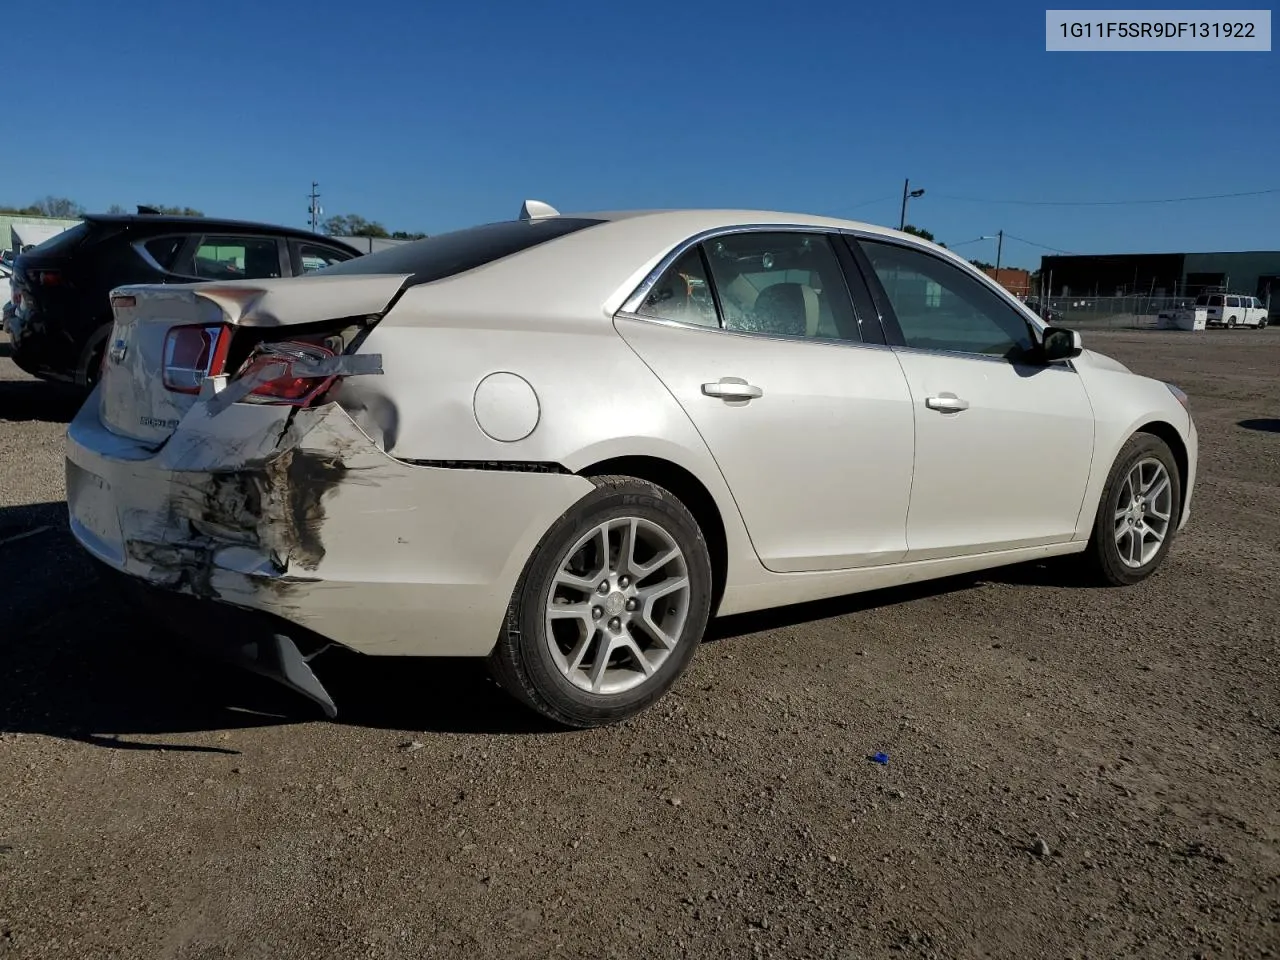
{"x": 406, "y": 235}
{"x": 59, "y": 207}
{"x": 175, "y": 211}
{"x": 983, "y": 265}
{"x": 354, "y": 225}
{"x": 918, "y": 232}
{"x": 116, "y": 210}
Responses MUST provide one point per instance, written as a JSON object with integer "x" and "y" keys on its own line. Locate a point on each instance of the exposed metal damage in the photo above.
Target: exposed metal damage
{"x": 271, "y": 507}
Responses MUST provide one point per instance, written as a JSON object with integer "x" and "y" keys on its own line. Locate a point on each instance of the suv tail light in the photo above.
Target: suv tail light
{"x": 193, "y": 352}
{"x": 46, "y": 278}
{"x": 283, "y": 369}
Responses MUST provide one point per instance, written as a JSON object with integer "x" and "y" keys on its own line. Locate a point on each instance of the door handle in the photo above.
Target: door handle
{"x": 732, "y": 388}
{"x": 947, "y": 403}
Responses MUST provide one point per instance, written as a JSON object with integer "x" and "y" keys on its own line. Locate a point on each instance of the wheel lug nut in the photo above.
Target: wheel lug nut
{"x": 604, "y": 587}
{"x": 624, "y": 581}
{"x": 615, "y": 624}
{"x": 596, "y": 613}
{"x": 631, "y": 604}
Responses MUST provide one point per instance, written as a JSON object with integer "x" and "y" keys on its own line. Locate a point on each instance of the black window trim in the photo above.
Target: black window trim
{"x": 632, "y": 304}
{"x": 890, "y": 318}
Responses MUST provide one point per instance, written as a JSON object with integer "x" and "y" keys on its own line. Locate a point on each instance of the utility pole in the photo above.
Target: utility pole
{"x": 999, "y": 249}
{"x": 315, "y": 209}
{"x": 907, "y": 193}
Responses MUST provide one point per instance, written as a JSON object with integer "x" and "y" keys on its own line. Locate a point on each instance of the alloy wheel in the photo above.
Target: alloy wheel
{"x": 1144, "y": 512}
{"x": 617, "y": 605}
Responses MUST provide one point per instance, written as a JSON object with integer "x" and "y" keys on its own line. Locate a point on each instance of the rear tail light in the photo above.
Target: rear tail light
{"x": 284, "y": 371}
{"x": 192, "y": 353}
{"x": 46, "y": 278}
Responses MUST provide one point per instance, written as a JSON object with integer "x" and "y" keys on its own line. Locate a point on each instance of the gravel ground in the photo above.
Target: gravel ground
{"x": 1072, "y": 772}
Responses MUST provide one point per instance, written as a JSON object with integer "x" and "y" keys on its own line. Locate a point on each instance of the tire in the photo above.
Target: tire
{"x": 1231, "y": 324}
{"x": 534, "y": 659}
{"x": 1110, "y": 540}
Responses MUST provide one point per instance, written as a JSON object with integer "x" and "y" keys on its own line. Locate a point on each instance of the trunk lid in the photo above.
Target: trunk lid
{"x": 134, "y": 400}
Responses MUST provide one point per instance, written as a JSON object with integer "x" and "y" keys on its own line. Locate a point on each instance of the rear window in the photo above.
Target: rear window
{"x": 1215, "y": 301}
{"x": 1202, "y": 301}
{"x": 64, "y": 242}
{"x": 448, "y": 254}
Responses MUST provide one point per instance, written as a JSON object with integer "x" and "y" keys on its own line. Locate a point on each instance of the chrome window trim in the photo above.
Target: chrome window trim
{"x": 140, "y": 247}
{"x": 989, "y": 358}
{"x": 725, "y": 331}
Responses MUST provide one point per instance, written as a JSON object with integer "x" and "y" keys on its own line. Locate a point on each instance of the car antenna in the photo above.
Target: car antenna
{"x": 537, "y": 210}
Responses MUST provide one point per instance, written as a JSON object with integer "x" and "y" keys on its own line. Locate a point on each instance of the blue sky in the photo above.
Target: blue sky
{"x": 431, "y": 116}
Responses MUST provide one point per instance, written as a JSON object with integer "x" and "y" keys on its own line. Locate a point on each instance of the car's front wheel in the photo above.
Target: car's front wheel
{"x": 610, "y": 608}
{"x": 1138, "y": 514}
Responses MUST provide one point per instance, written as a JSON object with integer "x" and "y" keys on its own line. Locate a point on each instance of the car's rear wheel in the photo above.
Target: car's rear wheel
{"x": 610, "y": 608}
{"x": 1232, "y": 323}
{"x": 1138, "y": 514}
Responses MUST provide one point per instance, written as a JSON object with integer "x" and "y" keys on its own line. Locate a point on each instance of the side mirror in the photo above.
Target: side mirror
{"x": 1059, "y": 343}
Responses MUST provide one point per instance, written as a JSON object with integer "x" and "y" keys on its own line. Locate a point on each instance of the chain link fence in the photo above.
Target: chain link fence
{"x": 1135, "y": 312}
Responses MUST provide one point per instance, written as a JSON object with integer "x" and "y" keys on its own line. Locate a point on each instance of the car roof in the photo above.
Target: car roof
{"x": 611, "y": 257}
{"x": 207, "y": 223}
{"x": 712, "y": 218}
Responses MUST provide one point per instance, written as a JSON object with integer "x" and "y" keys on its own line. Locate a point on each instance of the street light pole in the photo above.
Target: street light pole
{"x": 999, "y": 250}
{"x": 907, "y": 194}
{"x": 314, "y": 209}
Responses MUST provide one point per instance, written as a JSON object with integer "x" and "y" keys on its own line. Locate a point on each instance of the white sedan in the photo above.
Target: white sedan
{"x": 563, "y": 443}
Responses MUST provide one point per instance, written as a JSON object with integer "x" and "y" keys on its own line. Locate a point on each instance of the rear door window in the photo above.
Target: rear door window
{"x": 1233, "y": 301}
{"x": 1215, "y": 301}
{"x": 236, "y": 258}
{"x": 782, "y": 284}
{"x": 683, "y": 294}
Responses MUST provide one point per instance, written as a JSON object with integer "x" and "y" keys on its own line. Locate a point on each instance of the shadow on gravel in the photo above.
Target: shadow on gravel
{"x": 38, "y": 400}
{"x": 76, "y": 662}
{"x": 1263, "y": 426}
{"x": 1053, "y": 573}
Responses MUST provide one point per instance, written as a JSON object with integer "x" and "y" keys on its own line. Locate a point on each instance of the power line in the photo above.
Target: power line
{"x": 1032, "y": 243}
{"x": 864, "y": 203}
{"x": 1109, "y": 203}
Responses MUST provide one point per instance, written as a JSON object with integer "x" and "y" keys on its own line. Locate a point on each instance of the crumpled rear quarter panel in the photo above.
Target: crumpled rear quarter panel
{"x": 304, "y": 517}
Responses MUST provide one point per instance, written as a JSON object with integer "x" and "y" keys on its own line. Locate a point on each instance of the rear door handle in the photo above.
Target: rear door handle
{"x": 732, "y": 388}
{"x": 947, "y": 403}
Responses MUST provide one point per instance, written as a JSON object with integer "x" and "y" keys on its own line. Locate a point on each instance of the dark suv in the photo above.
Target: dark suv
{"x": 61, "y": 288}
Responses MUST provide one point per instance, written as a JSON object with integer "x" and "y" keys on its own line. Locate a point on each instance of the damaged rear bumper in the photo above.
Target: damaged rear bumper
{"x": 298, "y": 514}
{"x": 251, "y": 640}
